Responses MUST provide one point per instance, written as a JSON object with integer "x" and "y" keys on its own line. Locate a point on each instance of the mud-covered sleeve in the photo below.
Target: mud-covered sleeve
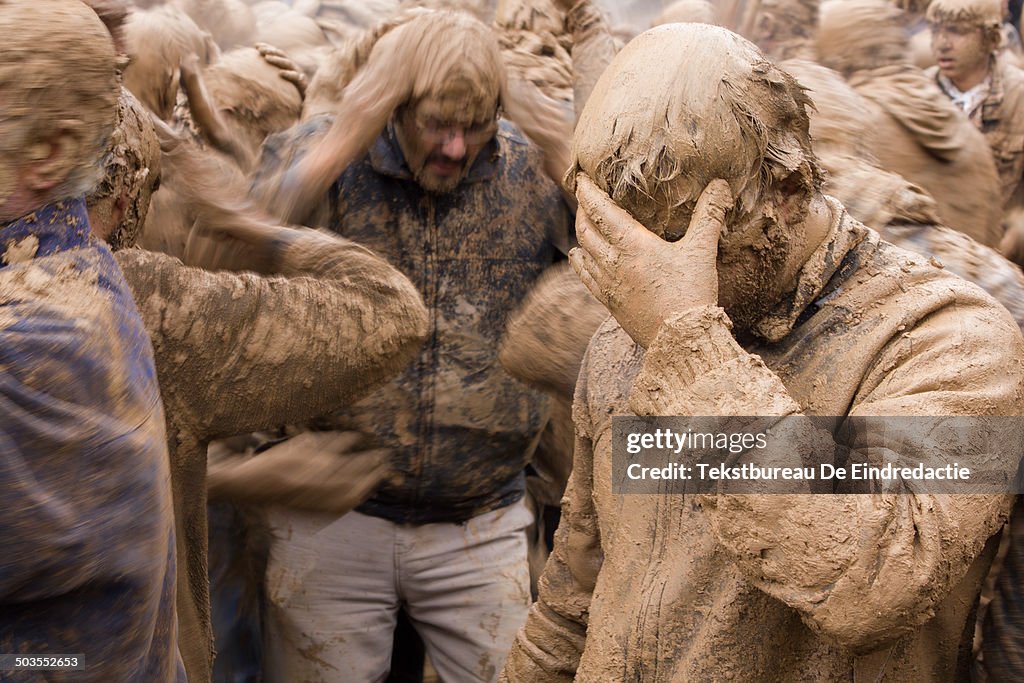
{"x": 548, "y": 648}
{"x": 864, "y": 569}
{"x": 593, "y": 49}
{"x": 247, "y": 353}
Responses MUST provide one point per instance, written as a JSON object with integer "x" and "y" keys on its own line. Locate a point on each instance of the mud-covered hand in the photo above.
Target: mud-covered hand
{"x": 642, "y": 279}
{"x": 290, "y": 71}
{"x": 207, "y": 118}
{"x": 315, "y": 472}
{"x": 378, "y": 89}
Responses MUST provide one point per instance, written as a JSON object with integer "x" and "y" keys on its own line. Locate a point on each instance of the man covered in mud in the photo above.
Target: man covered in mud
{"x": 335, "y": 322}
{"x": 87, "y": 522}
{"x": 456, "y": 199}
{"x": 739, "y": 289}
{"x": 966, "y": 37}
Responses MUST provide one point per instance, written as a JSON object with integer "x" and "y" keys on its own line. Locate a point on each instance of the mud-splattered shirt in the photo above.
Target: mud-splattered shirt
{"x": 88, "y": 565}
{"x": 1000, "y": 116}
{"x": 460, "y": 427}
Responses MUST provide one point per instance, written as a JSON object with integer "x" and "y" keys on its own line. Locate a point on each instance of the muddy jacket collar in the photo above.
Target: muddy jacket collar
{"x": 991, "y": 106}
{"x": 58, "y": 227}
{"x": 387, "y": 159}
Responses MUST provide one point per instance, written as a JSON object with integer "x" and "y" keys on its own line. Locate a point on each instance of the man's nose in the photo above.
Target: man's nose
{"x": 455, "y": 146}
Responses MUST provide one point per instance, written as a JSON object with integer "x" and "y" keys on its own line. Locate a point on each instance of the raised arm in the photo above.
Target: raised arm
{"x": 593, "y": 46}
{"x": 250, "y": 353}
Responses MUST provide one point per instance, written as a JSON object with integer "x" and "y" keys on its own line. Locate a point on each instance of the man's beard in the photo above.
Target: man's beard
{"x": 756, "y": 286}
{"x": 438, "y": 184}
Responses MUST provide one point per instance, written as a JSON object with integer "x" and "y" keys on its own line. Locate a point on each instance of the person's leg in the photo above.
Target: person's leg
{"x": 467, "y": 590}
{"x": 331, "y": 599}
{"x": 237, "y": 567}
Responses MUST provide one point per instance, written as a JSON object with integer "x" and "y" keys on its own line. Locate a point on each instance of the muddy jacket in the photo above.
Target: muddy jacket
{"x": 460, "y": 427}
{"x": 237, "y": 353}
{"x": 88, "y": 564}
{"x": 918, "y": 133}
{"x": 1001, "y": 118}
{"x": 822, "y": 587}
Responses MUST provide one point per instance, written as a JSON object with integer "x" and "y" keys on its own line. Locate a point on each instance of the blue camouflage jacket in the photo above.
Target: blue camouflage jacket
{"x": 460, "y": 427}
{"x": 88, "y": 564}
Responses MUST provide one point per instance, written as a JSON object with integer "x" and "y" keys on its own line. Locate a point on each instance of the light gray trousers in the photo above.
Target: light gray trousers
{"x": 334, "y": 588}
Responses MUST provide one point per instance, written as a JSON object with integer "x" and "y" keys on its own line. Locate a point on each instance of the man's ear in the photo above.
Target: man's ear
{"x": 51, "y": 160}
{"x": 992, "y": 38}
{"x": 791, "y": 194}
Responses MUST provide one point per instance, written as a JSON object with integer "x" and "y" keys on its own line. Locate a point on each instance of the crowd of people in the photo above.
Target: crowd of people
{"x": 317, "y": 319}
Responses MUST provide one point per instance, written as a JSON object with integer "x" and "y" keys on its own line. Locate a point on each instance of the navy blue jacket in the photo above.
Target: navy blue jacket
{"x": 460, "y": 427}
{"x": 88, "y": 563}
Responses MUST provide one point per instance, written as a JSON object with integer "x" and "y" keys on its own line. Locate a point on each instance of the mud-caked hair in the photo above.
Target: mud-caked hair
{"x": 984, "y": 14}
{"x": 57, "y": 64}
{"x": 684, "y": 104}
{"x": 444, "y": 53}
{"x": 131, "y": 165}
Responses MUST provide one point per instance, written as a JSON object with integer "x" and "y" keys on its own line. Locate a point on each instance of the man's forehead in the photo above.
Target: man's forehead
{"x": 958, "y": 25}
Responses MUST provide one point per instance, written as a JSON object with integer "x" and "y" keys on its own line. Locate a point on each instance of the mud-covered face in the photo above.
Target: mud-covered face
{"x": 961, "y": 52}
{"x": 442, "y": 137}
{"x": 752, "y": 253}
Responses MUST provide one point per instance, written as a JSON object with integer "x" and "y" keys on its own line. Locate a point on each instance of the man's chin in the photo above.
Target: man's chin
{"x": 438, "y": 184}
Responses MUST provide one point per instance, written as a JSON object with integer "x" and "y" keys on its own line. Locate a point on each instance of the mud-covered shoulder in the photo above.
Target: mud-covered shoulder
{"x": 519, "y": 149}
{"x": 931, "y": 342}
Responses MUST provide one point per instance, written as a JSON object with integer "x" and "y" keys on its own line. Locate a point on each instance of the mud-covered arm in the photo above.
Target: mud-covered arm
{"x": 548, "y": 333}
{"x": 593, "y": 48}
{"x": 248, "y": 353}
{"x": 865, "y": 569}
{"x": 548, "y": 648}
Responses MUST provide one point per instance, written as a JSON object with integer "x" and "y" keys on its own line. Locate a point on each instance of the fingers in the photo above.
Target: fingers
{"x": 280, "y": 61}
{"x": 289, "y": 69}
{"x": 169, "y": 138}
{"x": 590, "y": 239}
{"x": 709, "y": 216}
{"x": 267, "y": 49}
{"x": 296, "y": 78}
{"x": 586, "y": 268}
{"x": 608, "y": 218}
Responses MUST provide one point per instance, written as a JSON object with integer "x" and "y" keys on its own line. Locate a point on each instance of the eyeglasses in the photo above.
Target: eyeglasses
{"x": 438, "y": 132}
